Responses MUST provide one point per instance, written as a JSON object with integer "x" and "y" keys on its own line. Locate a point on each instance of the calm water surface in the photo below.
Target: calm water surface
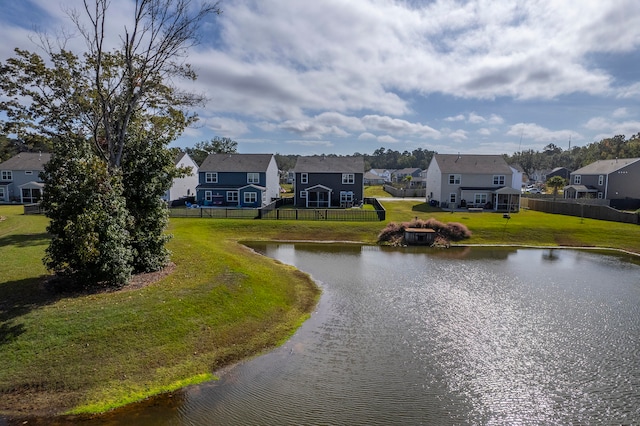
{"x": 459, "y": 336}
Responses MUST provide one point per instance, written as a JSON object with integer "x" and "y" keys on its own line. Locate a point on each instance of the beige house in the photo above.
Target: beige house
{"x": 472, "y": 181}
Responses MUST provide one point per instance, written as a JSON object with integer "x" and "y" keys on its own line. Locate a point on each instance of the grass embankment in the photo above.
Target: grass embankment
{"x": 222, "y": 302}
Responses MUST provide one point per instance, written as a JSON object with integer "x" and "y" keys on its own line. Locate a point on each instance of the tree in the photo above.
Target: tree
{"x": 217, "y": 145}
{"x": 121, "y": 108}
{"x": 89, "y": 220}
{"x": 556, "y": 182}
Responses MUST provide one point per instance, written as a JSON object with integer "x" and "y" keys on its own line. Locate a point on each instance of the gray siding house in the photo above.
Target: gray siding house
{"x": 606, "y": 179}
{"x": 238, "y": 180}
{"x": 478, "y": 181}
{"x": 20, "y": 178}
{"x": 324, "y": 182}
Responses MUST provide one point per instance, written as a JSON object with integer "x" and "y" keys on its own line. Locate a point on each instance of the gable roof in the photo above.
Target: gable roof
{"x": 26, "y": 161}
{"x": 325, "y": 164}
{"x": 604, "y": 167}
{"x": 473, "y": 164}
{"x": 236, "y": 163}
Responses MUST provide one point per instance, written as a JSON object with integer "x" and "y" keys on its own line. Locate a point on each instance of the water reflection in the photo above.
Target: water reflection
{"x": 422, "y": 336}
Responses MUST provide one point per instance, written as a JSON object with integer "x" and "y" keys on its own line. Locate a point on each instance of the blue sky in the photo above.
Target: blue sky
{"x": 335, "y": 76}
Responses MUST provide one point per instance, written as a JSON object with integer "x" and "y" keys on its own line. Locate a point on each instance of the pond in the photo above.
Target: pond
{"x": 424, "y": 336}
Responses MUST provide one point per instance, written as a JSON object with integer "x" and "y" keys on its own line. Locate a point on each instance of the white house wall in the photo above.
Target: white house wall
{"x": 273, "y": 183}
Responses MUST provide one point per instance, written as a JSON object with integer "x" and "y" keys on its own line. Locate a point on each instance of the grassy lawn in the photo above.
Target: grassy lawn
{"x": 220, "y": 303}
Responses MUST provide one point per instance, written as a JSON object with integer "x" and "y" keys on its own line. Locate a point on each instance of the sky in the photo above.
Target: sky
{"x": 344, "y": 77}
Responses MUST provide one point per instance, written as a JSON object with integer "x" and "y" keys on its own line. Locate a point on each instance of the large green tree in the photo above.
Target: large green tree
{"x": 117, "y": 110}
{"x": 217, "y": 145}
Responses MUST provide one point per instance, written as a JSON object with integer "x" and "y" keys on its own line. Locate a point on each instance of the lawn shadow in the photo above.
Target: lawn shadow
{"x": 25, "y": 240}
{"x": 425, "y": 208}
{"x": 18, "y": 298}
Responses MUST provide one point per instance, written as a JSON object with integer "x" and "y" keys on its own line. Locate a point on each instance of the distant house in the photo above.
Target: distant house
{"x": 517, "y": 179}
{"x": 606, "y": 179}
{"x": 563, "y": 172}
{"x": 383, "y": 173}
{"x": 20, "y": 177}
{"x": 322, "y": 181}
{"x": 373, "y": 179}
{"x": 238, "y": 180}
{"x": 400, "y": 175}
{"x": 477, "y": 181}
{"x": 183, "y": 186}
{"x": 539, "y": 176}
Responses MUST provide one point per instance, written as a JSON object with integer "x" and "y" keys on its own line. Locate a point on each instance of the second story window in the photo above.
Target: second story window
{"x": 577, "y": 179}
{"x": 6, "y": 175}
{"x": 304, "y": 178}
{"x": 455, "y": 179}
{"x": 211, "y": 177}
{"x": 348, "y": 178}
{"x": 601, "y": 180}
{"x": 498, "y": 180}
{"x": 253, "y": 177}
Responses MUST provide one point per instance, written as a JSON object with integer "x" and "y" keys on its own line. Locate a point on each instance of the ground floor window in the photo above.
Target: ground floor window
{"x": 250, "y": 197}
{"x": 232, "y": 196}
{"x": 480, "y": 199}
{"x": 31, "y": 195}
{"x": 208, "y": 195}
{"x": 346, "y": 196}
{"x": 453, "y": 198}
{"x": 2, "y": 193}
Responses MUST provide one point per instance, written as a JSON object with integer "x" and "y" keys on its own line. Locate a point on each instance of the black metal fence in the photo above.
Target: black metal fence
{"x": 215, "y": 213}
{"x": 274, "y": 211}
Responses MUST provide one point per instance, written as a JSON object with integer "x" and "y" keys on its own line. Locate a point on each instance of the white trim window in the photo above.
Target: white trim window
{"x": 455, "y": 179}
{"x": 453, "y": 197}
{"x": 346, "y": 196}
{"x": 498, "y": 179}
{"x": 601, "y": 180}
{"x": 577, "y": 179}
{"x": 208, "y": 195}
{"x": 232, "y": 196}
{"x": 6, "y": 175}
{"x": 303, "y": 194}
{"x": 480, "y": 199}
{"x": 253, "y": 177}
{"x": 250, "y": 197}
{"x": 348, "y": 178}
{"x": 304, "y": 178}
{"x": 28, "y": 172}
{"x": 211, "y": 177}
{"x": 2, "y": 193}
{"x": 600, "y": 195}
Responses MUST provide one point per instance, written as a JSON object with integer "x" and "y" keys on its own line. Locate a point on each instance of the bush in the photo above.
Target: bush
{"x": 393, "y": 233}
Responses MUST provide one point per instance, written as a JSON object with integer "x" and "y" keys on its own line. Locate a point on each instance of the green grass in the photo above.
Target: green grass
{"x": 221, "y": 303}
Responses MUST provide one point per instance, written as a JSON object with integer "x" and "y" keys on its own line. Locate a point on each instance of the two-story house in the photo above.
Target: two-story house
{"x": 323, "y": 182}
{"x": 459, "y": 181}
{"x": 20, "y": 177}
{"x": 238, "y": 180}
{"x": 184, "y": 186}
{"x": 606, "y": 179}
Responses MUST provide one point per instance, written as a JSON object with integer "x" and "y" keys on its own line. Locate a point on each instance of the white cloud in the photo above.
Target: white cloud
{"x": 541, "y": 136}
